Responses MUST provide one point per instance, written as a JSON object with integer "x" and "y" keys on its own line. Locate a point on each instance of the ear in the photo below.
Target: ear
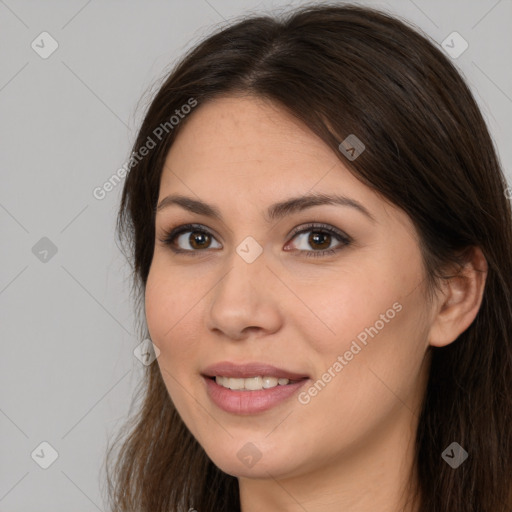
{"x": 459, "y": 301}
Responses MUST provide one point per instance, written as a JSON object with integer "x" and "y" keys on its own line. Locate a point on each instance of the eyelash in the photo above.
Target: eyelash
{"x": 172, "y": 234}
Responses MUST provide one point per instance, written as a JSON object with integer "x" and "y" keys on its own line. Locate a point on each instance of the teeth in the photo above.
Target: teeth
{"x": 251, "y": 383}
{"x": 270, "y": 382}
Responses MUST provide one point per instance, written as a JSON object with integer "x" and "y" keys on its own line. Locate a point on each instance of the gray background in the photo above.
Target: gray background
{"x": 67, "y": 370}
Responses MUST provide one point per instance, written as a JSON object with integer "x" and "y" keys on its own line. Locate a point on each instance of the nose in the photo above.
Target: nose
{"x": 245, "y": 300}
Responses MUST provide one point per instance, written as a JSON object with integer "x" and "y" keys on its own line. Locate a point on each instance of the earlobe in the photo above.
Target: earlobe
{"x": 459, "y": 300}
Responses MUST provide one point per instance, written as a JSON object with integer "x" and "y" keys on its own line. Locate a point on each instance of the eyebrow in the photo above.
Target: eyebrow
{"x": 274, "y": 212}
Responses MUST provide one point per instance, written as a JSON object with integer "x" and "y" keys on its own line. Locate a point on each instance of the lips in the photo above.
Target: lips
{"x": 234, "y": 400}
{"x": 246, "y": 370}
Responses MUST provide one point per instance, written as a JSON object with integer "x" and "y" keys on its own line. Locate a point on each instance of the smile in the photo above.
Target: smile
{"x": 251, "y": 399}
{"x": 251, "y": 383}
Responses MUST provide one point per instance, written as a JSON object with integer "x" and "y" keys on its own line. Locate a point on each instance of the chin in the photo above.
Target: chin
{"x": 249, "y": 462}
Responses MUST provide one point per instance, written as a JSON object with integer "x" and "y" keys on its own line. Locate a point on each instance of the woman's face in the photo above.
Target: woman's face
{"x": 341, "y": 312}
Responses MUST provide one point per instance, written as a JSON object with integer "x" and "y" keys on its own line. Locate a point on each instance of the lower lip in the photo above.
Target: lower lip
{"x": 250, "y": 402}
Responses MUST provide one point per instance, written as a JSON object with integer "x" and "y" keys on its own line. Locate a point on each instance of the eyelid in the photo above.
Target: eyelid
{"x": 173, "y": 233}
{"x": 311, "y": 226}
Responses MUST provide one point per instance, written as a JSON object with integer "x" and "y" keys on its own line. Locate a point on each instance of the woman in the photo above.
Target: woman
{"x": 321, "y": 237}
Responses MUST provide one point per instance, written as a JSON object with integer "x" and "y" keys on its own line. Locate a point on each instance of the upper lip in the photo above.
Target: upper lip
{"x": 246, "y": 370}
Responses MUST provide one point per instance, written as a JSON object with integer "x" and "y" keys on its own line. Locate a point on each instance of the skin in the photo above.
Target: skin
{"x": 351, "y": 447}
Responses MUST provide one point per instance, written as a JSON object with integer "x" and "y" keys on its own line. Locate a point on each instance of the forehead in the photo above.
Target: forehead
{"x": 248, "y": 140}
{"x": 245, "y": 153}
{"x": 240, "y": 118}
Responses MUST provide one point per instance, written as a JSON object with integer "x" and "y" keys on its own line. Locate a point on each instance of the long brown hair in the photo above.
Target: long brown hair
{"x": 346, "y": 70}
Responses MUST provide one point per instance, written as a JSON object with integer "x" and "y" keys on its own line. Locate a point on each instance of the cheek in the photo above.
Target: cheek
{"x": 159, "y": 308}
{"x": 171, "y": 317}
{"x": 341, "y": 308}
{"x": 373, "y": 365}
{"x": 374, "y": 319}
{"x": 374, "y": 299}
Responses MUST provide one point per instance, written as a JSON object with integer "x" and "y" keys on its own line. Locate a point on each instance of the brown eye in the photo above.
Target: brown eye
{"x": 193, "y": 239}
{"x": 199, "y": 239}
{"x": 189, "y": 238}
{"x": 319, "y": 240}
